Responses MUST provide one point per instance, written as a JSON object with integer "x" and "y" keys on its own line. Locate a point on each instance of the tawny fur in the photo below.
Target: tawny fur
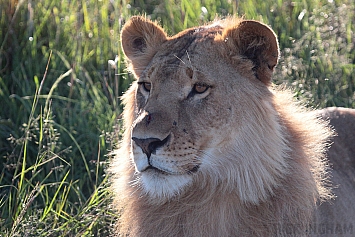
{"x": 269, "y": 169}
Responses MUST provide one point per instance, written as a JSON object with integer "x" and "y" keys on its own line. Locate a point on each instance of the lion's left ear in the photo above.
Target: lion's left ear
{"x": 141, "y": 39}
{"x": 257, "y": 42}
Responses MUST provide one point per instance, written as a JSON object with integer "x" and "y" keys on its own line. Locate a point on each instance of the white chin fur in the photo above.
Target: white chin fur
{"x": 162, "y": 187}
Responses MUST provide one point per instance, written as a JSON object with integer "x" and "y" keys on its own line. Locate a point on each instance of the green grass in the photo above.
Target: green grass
{"x": 61, "y": 75}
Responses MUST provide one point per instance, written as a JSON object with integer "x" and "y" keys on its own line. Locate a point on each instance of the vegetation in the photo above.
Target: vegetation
{"x": 62, "y": 72}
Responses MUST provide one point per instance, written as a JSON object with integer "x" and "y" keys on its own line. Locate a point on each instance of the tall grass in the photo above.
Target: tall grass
{"x": 59, "y": 105}
{"x": 62, "y": 72}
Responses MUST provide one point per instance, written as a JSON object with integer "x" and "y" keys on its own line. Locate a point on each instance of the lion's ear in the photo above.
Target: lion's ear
{"x": 140, "y": 39}
{"x": 257, "y": 42}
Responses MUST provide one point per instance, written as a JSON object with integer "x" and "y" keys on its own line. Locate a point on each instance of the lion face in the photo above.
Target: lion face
{"x": 178, "y": 119}
{"x": 189, "y": 113}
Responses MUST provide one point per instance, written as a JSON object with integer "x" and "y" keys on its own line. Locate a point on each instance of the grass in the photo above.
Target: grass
{"x": 61, "y": 75}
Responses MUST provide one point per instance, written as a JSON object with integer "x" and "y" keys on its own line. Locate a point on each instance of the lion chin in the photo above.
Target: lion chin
{"x": 163, "y": 186}
{"x": 212, "y": 148}
{"x": 158, "y": 182}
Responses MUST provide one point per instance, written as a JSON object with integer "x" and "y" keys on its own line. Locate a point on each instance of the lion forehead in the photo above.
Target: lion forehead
{"x": 186, "y": 42}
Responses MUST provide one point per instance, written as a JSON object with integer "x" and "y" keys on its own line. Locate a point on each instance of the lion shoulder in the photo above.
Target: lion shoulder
{"x": 342, "y": 150}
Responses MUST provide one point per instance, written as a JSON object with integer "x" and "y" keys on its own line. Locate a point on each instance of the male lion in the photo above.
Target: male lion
{"x": 211, "y": 148}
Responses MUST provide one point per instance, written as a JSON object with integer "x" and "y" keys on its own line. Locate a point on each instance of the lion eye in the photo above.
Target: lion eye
{"x": 146, "y": 85}
{"x": 200, "y": 88}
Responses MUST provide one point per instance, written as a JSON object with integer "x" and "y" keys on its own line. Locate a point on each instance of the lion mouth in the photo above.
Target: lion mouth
{"x": 155, "y": 169}
{"x": 191, "y": 171}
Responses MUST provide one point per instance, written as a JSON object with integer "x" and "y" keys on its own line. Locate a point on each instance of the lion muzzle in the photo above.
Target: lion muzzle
{"x": 150, "y": 145}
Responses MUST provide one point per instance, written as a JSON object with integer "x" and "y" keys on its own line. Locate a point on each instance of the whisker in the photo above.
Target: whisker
{"x": 188, "y": 56}
{"x": 179, "y": 58}
{"x": 136, "y": 184}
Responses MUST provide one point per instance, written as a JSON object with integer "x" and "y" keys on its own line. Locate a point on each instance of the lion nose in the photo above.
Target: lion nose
{"x": 150, "y": 145}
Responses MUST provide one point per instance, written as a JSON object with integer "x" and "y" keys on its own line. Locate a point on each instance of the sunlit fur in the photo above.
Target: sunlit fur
{"x": 266, "y": 167}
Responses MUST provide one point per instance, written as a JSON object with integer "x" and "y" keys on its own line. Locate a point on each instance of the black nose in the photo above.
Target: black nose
{"x": 149, "y": 145}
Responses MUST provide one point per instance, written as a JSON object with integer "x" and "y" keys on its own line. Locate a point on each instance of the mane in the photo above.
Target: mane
{"x": 229, "y": 204}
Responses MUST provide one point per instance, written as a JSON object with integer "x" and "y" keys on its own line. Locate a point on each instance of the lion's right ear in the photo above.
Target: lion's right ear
{"x": 256, "y": 42}
{"x": 140, "y": 39}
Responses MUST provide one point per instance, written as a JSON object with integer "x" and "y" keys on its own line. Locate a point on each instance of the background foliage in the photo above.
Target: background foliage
{"x": 62, "y": 72}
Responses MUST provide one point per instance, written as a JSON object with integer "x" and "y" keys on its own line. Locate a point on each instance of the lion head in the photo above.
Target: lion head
{"x": 187, "y": 104}
{"x": 203, "y": 120}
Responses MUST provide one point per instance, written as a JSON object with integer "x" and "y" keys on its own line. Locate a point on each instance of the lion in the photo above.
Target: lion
{"x": 212, "y": 148}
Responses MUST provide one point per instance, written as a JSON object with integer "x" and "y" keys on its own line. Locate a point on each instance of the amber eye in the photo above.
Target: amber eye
{"x": 200, "y": 88}
{"x": 146, "y": 85}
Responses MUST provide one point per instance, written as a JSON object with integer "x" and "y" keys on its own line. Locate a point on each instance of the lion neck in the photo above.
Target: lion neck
{"x": 207, "y": 211}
